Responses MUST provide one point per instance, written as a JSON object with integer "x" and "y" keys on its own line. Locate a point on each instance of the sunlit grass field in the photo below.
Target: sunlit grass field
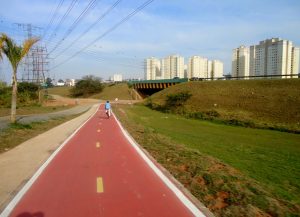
{"x": 269, "y": 161}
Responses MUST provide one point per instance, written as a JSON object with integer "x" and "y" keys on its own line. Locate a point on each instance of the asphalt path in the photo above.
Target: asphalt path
{"x": 26, "y": 119}
{"x": 99, "y": 172}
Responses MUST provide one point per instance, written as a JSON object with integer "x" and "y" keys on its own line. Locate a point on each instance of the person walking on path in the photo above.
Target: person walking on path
{"x": 107, "y": 108}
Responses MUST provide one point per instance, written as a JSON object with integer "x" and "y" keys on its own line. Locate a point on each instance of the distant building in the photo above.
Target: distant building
{"x": 116, "y": 78}
{"x": 217, "y": 69}
{"x": 270, "y": 57}
{"x": 60, "y": 83}
{"x": 70, "y": 82}
{"x": 240, "y": 62}
{"x": 172, "y": 66}
{"x": 198, "y": 67}
{"x": 152, "y": 68}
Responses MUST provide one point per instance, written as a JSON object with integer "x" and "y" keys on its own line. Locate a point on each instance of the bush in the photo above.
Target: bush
{"x": 87, "y": 86}
{"x": 27, "y": 94}
{"x": 27, "y": 87}
{"x": 177, "y": 100}
{"x": 5, "y": 96}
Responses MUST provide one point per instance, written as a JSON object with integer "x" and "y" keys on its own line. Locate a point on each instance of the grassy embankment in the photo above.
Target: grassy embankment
{"x": 110, "y": 92}
{"x": 233, "y": 170}
{"x": 113, "y": 91}
{"x": 61, "y": 91}
{"x": 252, "y": 103}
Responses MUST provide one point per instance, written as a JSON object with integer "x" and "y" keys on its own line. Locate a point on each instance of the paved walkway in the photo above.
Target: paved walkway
{"x": 100, "y": 171}
{"x": 26, "y": 119}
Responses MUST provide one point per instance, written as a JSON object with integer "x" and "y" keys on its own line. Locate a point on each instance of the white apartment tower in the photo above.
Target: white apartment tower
{"x": 172, "y": 66}
{"x": 152, "y": 68}
{"x": 240, "y": 62}
{"x": 217, "y": 69}
{"x": 197, "y": 67}
{"x": 274, "y": 57}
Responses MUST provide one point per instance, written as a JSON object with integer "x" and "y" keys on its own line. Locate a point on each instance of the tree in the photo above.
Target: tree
{"x": 87, "y": 86}
{"x": 14, "y": 54}
{"x": 49, "y": 82}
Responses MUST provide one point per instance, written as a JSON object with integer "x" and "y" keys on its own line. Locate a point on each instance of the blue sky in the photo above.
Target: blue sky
{"x": 209, "y": 28}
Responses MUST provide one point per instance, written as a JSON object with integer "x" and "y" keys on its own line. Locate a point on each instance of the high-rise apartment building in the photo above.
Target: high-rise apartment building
{"x": 274, "y": 57}
{"x": 203, "y": 68}
{"x": 173, "y": 66}
{"x": 217, "y": 69}
{"x": 295, "y": 61}
{"x": 197, "y": 67}
{"x": 240, "y": 62}
{"x": 116, "y": 78}
{"x": 152, "y": 68}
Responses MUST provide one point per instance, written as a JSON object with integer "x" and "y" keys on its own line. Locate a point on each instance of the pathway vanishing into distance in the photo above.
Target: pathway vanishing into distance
{"x": 100, "y": 171}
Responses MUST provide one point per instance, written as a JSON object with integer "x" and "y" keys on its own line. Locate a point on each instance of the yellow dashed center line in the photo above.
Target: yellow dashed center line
{"x": 99, "y": 185}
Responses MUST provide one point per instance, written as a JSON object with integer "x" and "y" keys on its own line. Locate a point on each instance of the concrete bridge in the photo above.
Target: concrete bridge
{"x": 149, "y": 87}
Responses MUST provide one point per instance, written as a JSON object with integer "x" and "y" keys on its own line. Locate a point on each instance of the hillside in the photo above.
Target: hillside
{"x": 112, "y": 91}
{"x": 263, "y": 103}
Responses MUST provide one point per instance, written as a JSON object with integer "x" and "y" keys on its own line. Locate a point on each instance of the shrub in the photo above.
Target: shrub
{"x": 27, "y": 93}
{"x": 5, "y": 96}
{"x": 178, "y": 99}
{"x": 87, "y": 86}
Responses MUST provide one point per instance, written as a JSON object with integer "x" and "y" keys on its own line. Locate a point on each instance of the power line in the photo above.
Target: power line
{"x": 108, "y": 31}
{"x": 89, "y": 7}
{"x": 62, "y": 19}
{"x": 53, "y": 17}
{"x": 90, "y": 27}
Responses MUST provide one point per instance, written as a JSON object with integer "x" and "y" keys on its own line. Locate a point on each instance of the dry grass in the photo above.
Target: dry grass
{"x": 112, "y": 91}
{"x": 270, "y": 103}
{"x": 61, "y": 91}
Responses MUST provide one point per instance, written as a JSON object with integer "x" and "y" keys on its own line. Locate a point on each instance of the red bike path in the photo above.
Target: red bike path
{"x": 99, "y": 173}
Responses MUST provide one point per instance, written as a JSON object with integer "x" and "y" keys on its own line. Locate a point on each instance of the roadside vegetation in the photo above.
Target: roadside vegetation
{"x": 271, "y": 104}
{"x": 233, "y": 170}
{"x": 87, "y": 86}
{"x": 14, "y": 53}
{"x": 17, "y": 133}
{"x": 28, "y": 100}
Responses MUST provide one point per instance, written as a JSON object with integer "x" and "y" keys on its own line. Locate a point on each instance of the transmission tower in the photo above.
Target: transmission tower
{"x": 36, "y": 63}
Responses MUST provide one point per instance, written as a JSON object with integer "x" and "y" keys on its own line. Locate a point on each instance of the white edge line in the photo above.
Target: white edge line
{"x": 161, "y": 175}
{"x": 9, "y": 208}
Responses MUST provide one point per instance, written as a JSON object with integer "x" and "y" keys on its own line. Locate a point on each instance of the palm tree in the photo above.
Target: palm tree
{"x": 14, "y": 54}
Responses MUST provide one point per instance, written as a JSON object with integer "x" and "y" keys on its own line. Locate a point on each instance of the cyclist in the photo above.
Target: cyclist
{"x": 107, "y": 108}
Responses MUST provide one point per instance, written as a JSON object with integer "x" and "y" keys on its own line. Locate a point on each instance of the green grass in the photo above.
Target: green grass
{"x": 270, "y": 158}
{"x": 112, "y": 91}
{"x": 265, "y": 103}
{"x": 17, "y": 133}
